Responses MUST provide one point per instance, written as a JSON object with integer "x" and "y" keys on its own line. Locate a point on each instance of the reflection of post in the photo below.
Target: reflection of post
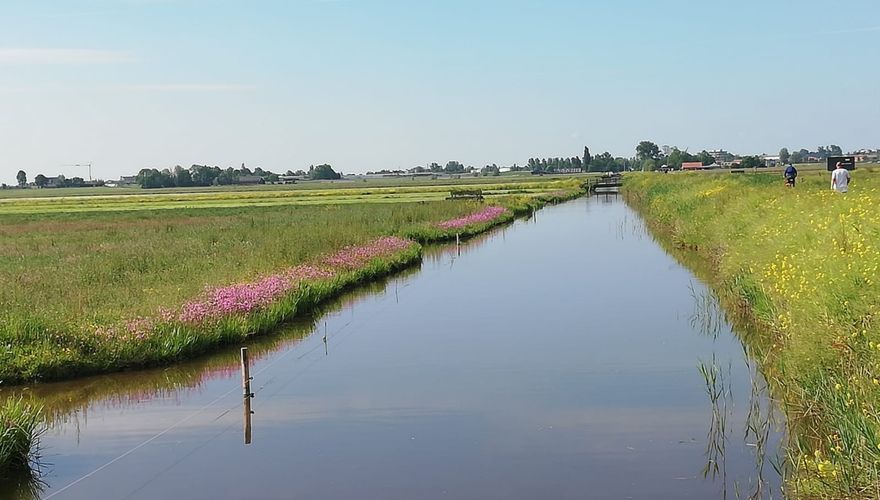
{"x": 247, "y": 419}
{"x": 247, "y": 394}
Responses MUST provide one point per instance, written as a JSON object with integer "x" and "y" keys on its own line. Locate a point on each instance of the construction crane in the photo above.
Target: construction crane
{"x": 89, "y": 164}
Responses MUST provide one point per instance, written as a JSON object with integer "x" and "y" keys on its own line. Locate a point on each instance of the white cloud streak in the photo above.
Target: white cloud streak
{"x": 27, "y": 56}
{"x": 193, "y": 87}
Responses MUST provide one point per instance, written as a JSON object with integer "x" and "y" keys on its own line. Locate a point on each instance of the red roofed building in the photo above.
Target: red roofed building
{"x": 692, "y": 165}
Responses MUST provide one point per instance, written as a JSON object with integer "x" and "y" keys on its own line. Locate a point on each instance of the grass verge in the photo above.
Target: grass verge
{"x": 802, "y": 264}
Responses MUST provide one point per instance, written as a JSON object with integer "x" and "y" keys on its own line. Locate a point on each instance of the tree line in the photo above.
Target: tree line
{"x": 804, "y": 155}
{"x": 203, "y": 175}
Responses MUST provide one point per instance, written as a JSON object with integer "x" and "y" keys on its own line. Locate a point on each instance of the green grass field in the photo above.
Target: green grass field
{"x": 802, "y": 264}
{"x": 92, "y": 284}
{"x": 66, "y": 272}
{"x": 108, "y": 200}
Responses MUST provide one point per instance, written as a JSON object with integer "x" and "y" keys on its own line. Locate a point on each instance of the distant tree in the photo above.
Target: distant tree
{"x": 21, "y": 177}
{"x": 752, "y": 162}
{"x": 182, "y": 177}
{"x": 453, "y": 167}
{"x": 40, "y": 180}
{"x": 649, "y": 165}
{"x": 784, "y": 155}
{"x": 587, "y": 158}
{"x": 602, "y": 163}
{"x": 834, "y": 150}
{"x": 674, "y": 160}
{"x": 227, "y": 177}
{"x": 797, "y": 157}
{"x": 490, "y": 170}
{"x": 647, "y": 150}
{"x": 203, "y": 175}
{"x": 150, "y": 178}
{"x": 244, "y": 170}
{"x": 61, "y": 181}
{"x": 271, "y": 177}
{"x": 323, "y": 172}
{"x": 705, "y": 158}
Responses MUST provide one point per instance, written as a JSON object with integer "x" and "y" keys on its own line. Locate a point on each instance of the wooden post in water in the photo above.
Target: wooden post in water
{"x": 245, "y": 373}
{"x": 458, "y": 242}
{"x": 246, "y": 389}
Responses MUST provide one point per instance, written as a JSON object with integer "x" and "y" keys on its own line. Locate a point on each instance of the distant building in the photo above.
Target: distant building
{"x": 287, "y": 179}
{"x": 250, "y": 179}
{"x": 127, "y": 180}
{"x": 693, "y": 165}
{"x": 720, "y": 156}
{"x": 770, "y": 161}
{"x": 867, "y": 155}
{"x": 52, "y": 182}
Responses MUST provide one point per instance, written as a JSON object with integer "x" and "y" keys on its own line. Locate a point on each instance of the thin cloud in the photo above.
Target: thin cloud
{"x": 193, "y": 87}
{"x": 62, "y": 56}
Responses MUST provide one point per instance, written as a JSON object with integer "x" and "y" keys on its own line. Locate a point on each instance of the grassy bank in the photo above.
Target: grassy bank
{"x": 93, "y": 292}
{"x": 803, "y": 264}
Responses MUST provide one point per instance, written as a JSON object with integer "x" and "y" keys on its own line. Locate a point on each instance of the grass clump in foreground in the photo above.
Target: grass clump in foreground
{"x": 20, "y": 428}
{"x": 802, "y": 263}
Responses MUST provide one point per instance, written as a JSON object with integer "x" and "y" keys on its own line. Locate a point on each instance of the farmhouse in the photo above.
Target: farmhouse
{"x": 250, "y": 179}
{"x": 693, "y": 165}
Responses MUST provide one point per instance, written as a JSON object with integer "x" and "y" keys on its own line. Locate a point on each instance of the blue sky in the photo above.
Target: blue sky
{"x": 365, "y": 85}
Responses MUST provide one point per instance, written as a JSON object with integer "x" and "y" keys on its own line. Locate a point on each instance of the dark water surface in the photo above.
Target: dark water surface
{"x": 554, "y": 358}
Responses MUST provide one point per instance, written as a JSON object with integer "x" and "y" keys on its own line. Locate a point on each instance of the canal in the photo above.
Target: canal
{"x": 564, "y": 356}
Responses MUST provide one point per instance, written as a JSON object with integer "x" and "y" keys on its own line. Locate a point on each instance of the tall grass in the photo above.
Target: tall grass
{"x": 802, "y": 263}
{"x": 20, "y": 428}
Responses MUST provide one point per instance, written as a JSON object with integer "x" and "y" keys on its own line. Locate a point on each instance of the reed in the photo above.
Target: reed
{"x": 20, "y": 429}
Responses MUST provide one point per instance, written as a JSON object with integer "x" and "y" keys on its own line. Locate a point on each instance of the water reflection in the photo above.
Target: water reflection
{"x": 719, "y": 392}
{"x": 23, "y": 485}
{"x": 708, "y": 317}
{"x": 761, "y": 433}
{"x": 548, "y": 359}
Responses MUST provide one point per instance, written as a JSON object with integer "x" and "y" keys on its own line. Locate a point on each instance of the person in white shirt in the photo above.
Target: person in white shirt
{"x": 840, "y": 179}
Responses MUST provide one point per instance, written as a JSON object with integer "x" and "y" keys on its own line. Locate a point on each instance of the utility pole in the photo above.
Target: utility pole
{"x": 89, "y": 164}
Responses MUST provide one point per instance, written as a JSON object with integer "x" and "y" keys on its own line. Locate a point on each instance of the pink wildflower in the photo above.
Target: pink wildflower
{"x": 485, "y": 215}
{"x": 248, "y": 297}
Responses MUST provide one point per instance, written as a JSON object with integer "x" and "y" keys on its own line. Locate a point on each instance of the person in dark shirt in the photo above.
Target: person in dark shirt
{"x": 790, "y": 175}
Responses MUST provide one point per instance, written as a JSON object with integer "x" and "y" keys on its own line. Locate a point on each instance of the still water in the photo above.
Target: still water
{"x": 565, "y": 356}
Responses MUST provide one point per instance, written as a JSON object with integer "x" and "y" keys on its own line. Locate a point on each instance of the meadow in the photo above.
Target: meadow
{"x": 97, "y": 284}
{"x": 802, "y": 265}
